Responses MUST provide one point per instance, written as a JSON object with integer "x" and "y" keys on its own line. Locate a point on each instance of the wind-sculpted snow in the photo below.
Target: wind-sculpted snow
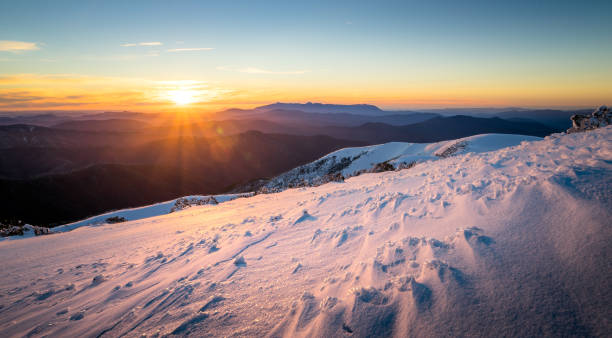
{"x": 513, "y": 242}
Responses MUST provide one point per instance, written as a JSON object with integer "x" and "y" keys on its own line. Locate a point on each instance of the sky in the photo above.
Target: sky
{"x": 212, "y": 55}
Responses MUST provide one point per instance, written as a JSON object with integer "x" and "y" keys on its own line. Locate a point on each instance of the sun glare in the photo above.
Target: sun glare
{"x": 182, "y": 97}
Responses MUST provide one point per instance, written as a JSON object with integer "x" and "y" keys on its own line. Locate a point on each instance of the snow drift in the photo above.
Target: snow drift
{"x": 513, "y": 242}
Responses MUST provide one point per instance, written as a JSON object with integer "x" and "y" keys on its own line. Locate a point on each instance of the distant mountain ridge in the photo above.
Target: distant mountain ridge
{"x": 301, "y": 113}
{"x": 309, "y": 107}
{"x": 114, "y": 124}
{"x": 555, "y": 118}
{"x": 438, "y": 129}
{"x": 302, "y": 117}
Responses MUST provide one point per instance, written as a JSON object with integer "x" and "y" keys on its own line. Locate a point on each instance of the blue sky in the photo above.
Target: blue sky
{"x": 435, "y": 50}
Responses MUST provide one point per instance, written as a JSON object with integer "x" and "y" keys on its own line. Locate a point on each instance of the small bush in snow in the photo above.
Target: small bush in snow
{"x": 336, "y": 177}
{"x": 381, "y": 167}
{"x": 115, "y": 219}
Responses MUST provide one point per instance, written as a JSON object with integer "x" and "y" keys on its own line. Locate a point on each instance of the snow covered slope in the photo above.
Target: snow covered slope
{"x": 352, "y": 161}
{"x": 130, "y": 214}
{"x": 133, "y": 214}
{"x": 514, "y": 242}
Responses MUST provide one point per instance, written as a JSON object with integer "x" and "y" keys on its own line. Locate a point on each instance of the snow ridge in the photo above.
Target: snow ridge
{"x": 354, "y": 161}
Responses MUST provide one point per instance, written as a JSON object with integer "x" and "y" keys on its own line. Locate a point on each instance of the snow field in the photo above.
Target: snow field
{"x": 510, "y": 242}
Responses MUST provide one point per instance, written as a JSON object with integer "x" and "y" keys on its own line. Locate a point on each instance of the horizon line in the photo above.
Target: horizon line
{"x": 384, "y": 109}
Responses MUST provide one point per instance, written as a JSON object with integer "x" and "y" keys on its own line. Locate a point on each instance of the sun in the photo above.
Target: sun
{"x": 182, "y": 97}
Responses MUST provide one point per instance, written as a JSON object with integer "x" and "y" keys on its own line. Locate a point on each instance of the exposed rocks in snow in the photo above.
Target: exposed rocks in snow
{"x": 451, "y": 150}
{"x": 601, "y": 117}
{"x": 20, "y": 229}
{"x": 307, "y": 178}
{"x": 11, "y": 230}
{"x": 325, "y": 170}
{"x": 381, "y": 167}
{"x": 406, "y": 165}
{"x": 183, "y": 203}
{"x": 386, "y": 166}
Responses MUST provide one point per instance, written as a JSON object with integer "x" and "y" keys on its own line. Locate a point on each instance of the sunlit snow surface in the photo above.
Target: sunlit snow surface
{"x": 511, "y": 242}
{"x": 139, "y": 213}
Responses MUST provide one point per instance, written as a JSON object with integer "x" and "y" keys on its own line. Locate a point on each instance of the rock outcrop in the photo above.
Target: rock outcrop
{"x": 22, "y": 230}
{"x": 599, "y": 118}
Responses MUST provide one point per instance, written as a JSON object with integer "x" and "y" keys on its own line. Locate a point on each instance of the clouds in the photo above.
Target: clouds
{"x": 69, "y": 91}
{"x": 255, "y": 70}
{"x": 146, "y": 44}
{"x": 177, "y": 50}
{"x": 171, "y": 50}
{"x": 15, "y": 97}
{"x": 81, "y": 92}
{"x": 17, "y": 46}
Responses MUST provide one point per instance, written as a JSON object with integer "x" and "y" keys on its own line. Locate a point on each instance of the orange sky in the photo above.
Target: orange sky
{"x": 23, "y": 92}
